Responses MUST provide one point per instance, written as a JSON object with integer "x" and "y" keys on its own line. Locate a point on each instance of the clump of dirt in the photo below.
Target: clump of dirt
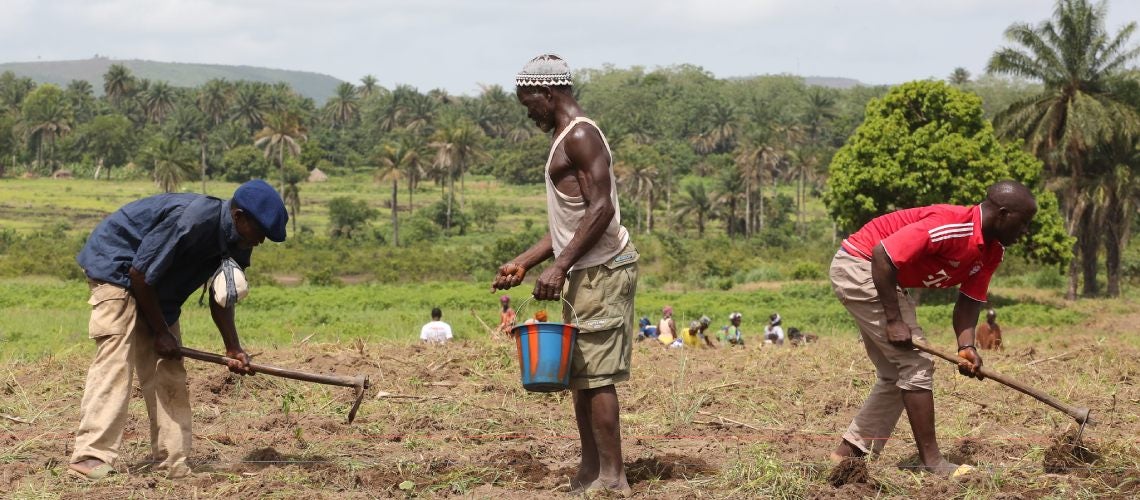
{"x": 850, "y": 471}
{"x": 378, "y": 478}
{"x": 832, "y": 408}
{"x": 267, "y": 454}
{"x": 668, "y": 466}
{"x": 964, "y": 452}
{"x": 1067, "y": 454}
{"x": 523, "y": 464}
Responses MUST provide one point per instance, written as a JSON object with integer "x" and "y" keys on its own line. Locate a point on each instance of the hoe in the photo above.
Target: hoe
{"x": 359, "y": 384}
{"x": 1081, "y": 415}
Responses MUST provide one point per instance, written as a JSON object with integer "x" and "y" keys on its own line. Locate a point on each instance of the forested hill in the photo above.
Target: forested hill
{"x": 317, "y": 86}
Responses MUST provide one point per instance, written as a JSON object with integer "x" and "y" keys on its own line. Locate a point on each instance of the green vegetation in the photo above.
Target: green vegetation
{"x": 926, "y": 143}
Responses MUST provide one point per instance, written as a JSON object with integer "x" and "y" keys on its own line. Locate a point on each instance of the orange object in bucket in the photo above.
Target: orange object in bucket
{"x": 545, "y": 351}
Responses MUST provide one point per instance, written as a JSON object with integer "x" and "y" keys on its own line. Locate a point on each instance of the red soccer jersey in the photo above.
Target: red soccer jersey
{"x": 933, "y": 247}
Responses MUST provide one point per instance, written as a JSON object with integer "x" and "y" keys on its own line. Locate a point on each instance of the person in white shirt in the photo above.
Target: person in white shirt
{"x": 774, "y": 332}
{"x": 436, "y": 331}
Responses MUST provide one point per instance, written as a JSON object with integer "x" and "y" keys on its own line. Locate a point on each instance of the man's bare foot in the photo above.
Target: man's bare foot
{"x": 944, "y": 468}
{"x": 581, "y": 482}
{"x": 619, "y": 487}
{"x": 845, "y": 450}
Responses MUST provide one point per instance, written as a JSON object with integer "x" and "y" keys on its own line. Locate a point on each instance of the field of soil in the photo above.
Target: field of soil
{"x": 725, "y": 423}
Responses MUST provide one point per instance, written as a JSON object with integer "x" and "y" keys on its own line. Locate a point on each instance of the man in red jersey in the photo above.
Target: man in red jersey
{"x": 938, "y": 246}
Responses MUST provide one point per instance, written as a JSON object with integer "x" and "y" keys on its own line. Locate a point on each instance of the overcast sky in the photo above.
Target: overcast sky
{"x": 456, "y": 44}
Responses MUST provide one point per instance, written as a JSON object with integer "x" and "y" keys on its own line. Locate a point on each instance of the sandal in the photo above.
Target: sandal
{"x": 99, "y": 472}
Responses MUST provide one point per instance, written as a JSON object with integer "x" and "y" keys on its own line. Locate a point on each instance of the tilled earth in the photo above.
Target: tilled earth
{"x": 454, "y": 420}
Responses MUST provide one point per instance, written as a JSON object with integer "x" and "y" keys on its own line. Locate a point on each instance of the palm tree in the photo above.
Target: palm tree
{"x": 249, "y": 106}
{"x": 81, "y": 98}
{"x": 457, "y": 145}
{"x": 396, "y": 161}
{"x": 343, "y": 108}
{"x": 13, "y": 90}
{"x": 214, "y": 100}
{"x": 726, "y": 199}
{"x": 368, "y": 87}
{"x": 695, "y": 202}
{"x": 187, "y": 123}
{"x": 118, "y": 83}
{"x": 46, "y": 117}
{"x": 1076, "y": 59}
{"x": 637, "y": 178}
{"x": 755, "y": 162}
{"x": 173, "y": 163}
{"x": 960, "y": 76}
{"x": 721, "y": 134}
{"x": 283, "y": 134}
{"x": 158, "y": 101}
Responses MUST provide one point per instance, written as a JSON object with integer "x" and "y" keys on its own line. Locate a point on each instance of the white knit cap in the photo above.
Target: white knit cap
{"x": 222, "y": 292}
{"x": 547, "y": 69}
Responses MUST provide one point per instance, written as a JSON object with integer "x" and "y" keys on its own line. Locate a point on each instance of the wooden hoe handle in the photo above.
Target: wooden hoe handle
{"x": 1081, "y": 415}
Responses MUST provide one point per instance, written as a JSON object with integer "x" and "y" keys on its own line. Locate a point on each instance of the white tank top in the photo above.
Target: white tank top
{"x": 564, "y": 213}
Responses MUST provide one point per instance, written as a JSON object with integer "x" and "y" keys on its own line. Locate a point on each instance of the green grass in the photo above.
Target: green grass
{"x": 41, "y": 316}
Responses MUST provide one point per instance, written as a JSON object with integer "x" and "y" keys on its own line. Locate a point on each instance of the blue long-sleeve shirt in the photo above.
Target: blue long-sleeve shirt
{"x": 176, "y": 240}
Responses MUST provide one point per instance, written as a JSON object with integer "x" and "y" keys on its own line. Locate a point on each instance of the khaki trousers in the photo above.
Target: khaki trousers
{"x": 897, "y": 369}
{"x": 124, "y": 347}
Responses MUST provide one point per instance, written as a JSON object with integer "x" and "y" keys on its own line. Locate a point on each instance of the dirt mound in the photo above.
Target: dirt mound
{"x": 267, "y": 454}
{"x": 1067, "y": 455}
{"x": 964, "y": 452}
{"x": 668, "y": 466}
{"x": 850, "y": 471}
{"x": 523, "y": 464}
{"x": 11, "y": 474}
{"x": 378, "y": 478}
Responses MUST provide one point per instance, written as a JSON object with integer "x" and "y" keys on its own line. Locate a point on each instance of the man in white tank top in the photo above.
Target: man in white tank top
{"x": 594, "y": 268}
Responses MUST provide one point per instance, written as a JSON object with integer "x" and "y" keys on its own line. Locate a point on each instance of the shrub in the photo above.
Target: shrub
{"x": 806, "y": 271}
{"x": 348, "y": 216}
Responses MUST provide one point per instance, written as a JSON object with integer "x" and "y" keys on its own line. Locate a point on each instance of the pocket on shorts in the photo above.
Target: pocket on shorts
{"x": 112, "y": 311}
{"x": 601, "y": 324}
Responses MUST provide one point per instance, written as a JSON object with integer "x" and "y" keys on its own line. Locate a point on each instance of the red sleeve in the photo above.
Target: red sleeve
{"x": 908, "y": 244}
{"x": 977, "y": 286}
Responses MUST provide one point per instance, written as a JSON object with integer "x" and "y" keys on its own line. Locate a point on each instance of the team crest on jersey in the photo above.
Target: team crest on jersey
{"x": 974, "y": 270}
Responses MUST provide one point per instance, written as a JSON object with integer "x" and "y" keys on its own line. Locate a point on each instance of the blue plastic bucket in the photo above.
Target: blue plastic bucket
{"x": 545, "y": 351}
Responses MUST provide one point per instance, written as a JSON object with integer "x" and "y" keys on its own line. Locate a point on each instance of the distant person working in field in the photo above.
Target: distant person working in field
{"x": 937, "y": 246}
{"x": 594, "y": 267}
{"x": 142, "y": 262}
{"x": 506, "y": 315}
{"x": 436, "y": 331}
{"x": 732, "y": 332}
{"x": 667, "y": 327}
{"x": 774, "y": 331}
{"x": 703, "y": 331}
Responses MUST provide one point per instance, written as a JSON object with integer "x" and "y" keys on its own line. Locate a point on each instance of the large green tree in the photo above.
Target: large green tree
{"x": 46, "y": 117}
{"x": 926, "y": 143}
{"x": 1077, "y": 60}
{"x": 109, "y": 139}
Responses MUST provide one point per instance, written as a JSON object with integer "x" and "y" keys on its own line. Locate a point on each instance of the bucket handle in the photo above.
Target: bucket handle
{"x": 560, "y": 297}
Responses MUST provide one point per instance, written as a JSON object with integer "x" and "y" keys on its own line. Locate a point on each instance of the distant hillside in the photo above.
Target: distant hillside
{"x": 315, "y": 85}
{"x": 834, "y": 82}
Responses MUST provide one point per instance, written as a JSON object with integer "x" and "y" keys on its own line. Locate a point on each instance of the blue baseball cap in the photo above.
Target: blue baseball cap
{"x": 260, "y": 200}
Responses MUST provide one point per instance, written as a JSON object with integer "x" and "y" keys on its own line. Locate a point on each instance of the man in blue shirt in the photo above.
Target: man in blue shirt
{"x": 142, "y": 263}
